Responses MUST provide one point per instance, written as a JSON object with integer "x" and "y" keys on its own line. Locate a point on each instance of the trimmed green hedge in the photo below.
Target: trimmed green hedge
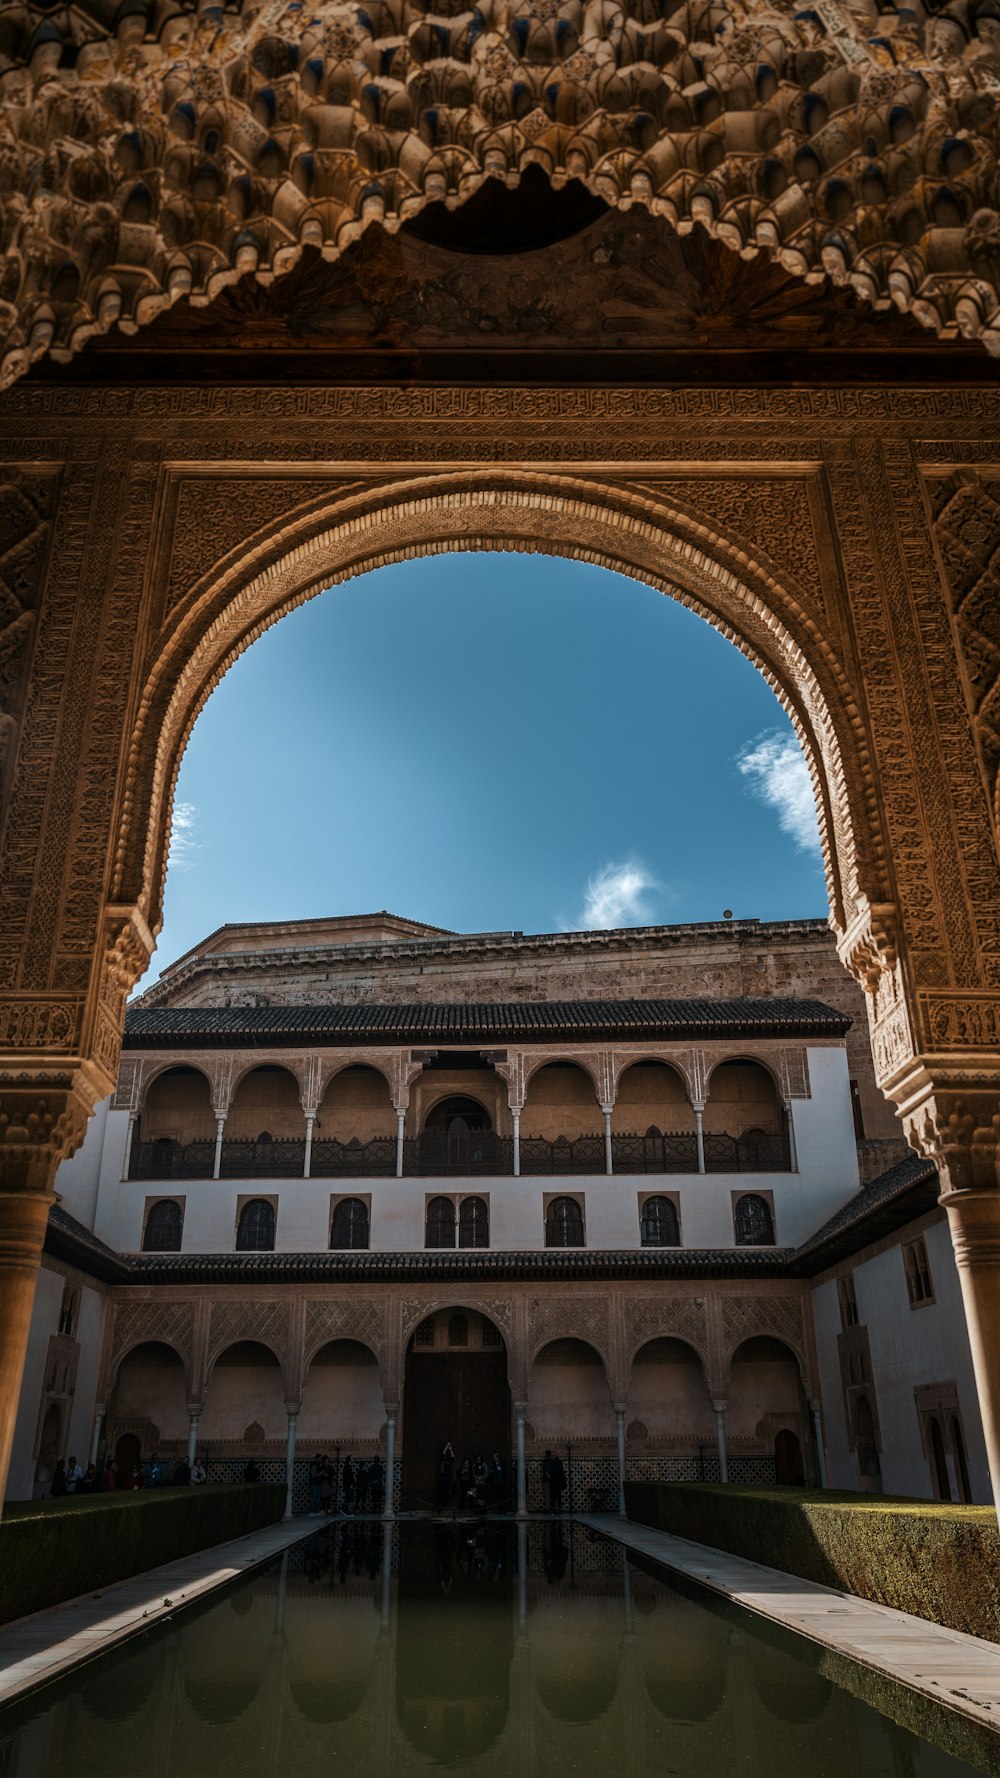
{"x": 937, "y": 1561}
{"x": 51, "y": 1550}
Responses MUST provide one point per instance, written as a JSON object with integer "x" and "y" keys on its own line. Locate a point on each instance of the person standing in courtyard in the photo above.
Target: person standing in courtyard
{"x": 376, "y": 1485}
{"x": 445, "y": 1471}
{"x": 74, "y": 1476}
{"x": 547, "y": 1482}
{"x": 557, "y": 1484}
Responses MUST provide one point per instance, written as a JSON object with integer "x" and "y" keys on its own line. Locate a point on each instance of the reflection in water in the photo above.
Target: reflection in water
{"x": 471, "y": 1648}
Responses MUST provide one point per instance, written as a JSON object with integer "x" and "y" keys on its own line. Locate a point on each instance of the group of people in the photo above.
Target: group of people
{"x": 69, "y": 1479}
{"x": 362, "y": 1486}
{"x": 553, "y": 1482}
{"x": 476, "y": 1485}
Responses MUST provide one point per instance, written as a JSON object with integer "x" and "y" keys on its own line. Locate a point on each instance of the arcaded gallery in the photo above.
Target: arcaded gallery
{"x": 500, "y": 1349}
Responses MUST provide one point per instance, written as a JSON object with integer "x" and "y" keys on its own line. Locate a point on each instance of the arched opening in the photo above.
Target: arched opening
{"x": 658, "y": 1224}
{"x": 176, "y": 1134}
{"x": 474, "y": 1223}
{"x": 866, "y": 1447}
{"x": 439, "y": 1225}
{"x": 570, "y": 1415}
{"x": 961, "y": 1463}
{"x": 458, "y": 1138}
{"x": 653, "y": 1122}
{"x": 164, "y": 1222}
{"x": 355, "y": 1130}
{"x": 150, "y": 1399}
{"x": 255, "y": 1227}
{"x": 349, "y": 1228}
{"x": 753, "y": 1221}
{"x": 455, "y": 1392}
{"x": 939, "y": 1459}
{"x": 561, "y": 1122}
{"x": 245, "y": 1387}
{"x": 669, "y": 1400}
{"x": 765, "y": 1399}
{"x": 265, "y": 1128}
{"x": 744, "y": 1121}
{"x": 342, "y": 1404}
{"x": 564, "y": 1223}
{"x": 789, "y": 1468}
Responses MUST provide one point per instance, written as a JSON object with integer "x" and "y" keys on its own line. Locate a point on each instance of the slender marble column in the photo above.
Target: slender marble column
{"x": 290, "y": 1462}
{"x": 699, "y": 1134}
{"x": 127, "y": 1156}
{"x": 620, "y": 1436}
{"x": 815, "y": 1408}
{"x": 307, "y": 1161}
{"x": 194, "y": 1415}
{"x": 95, "y": 1443}
{"x": 220, "y": 1124}
{"x": 520, "y": 1410}
{"x": 388, "y": 1510}
{"x": 720, "y": 1438}
{"x": 400, "y": 1138}
{"x": 609, "y": 1161}
{"x": 792, "y": 1151}
{"x": 516, "y": 1116}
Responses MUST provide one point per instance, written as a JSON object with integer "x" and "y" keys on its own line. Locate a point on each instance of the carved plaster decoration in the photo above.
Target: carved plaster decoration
{"x": 571, "y": 1318}
{"x": 966, "y": 507}
{"x": 155, "y": 158}
{"x": 27, "y": 503}
{"x": 352, "y": 1319}
{"x": 266, "y": 1322}
{"x": 162, "y": 1321}
{"x": 777, "y": 1317}
{"x": 665, "y": 1317}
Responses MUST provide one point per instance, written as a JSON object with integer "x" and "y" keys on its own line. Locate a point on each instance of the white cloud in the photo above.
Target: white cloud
{"x": 616, "y": 895}
{"x": 775, "y": 766}
{"x": 183, "y": 841}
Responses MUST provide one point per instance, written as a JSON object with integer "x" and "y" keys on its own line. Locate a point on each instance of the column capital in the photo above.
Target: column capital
{"x": 520, "y": 1407}
{"x": 293, "y": 1409}
{"x": 621, "y": 1407}
{"x": 719, "y": 1407}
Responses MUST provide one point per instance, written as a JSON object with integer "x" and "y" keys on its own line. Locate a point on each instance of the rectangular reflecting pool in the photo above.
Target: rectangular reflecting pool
{"x": 475, "y": 1649}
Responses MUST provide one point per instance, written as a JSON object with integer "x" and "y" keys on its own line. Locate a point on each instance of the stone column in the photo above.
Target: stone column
{"x": 609, "y": 1161}
{"x": 974, "y": 1220}
{"x": 520, "y": 1410}
{"x": 620, "y": 1437}
{"x": 792, "y": 1151}
{"x": 194, "y": 1415}
{"x": 699, "y": 1134}
{"x": 516, "y": 1119}
{"x": 388, "y": 1509}
{"x": 400, "y": 1139}
{"x": 23, "y": 1216}
{"x": 95, "y": 1444}
{"x": 307, "y": 1159}
{"x": 719, "y": 1408}
{"x": 816, "y": 1410}
{"x": 293, "y": 1414}
{"x": 220, "y": 1124}
{"x": 130, "y": 1132}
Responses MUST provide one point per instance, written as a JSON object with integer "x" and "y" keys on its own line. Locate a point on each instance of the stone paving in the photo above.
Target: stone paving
{"x": 962, "y": 1672}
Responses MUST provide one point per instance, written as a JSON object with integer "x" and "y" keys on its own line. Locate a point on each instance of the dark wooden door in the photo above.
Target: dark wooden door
{"x": 461, "y": 1396}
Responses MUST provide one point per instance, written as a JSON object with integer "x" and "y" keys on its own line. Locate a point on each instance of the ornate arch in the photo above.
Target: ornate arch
{"x": 156, "y": 155}
{"x": 635, "y": 532}
{"x": 621, "y": 1064}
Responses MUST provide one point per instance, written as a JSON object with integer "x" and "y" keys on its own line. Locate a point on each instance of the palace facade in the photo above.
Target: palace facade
{"x": 633, "y": 1196}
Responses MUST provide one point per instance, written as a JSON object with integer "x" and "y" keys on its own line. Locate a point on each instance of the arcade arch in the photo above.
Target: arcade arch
{"x": 150, "y": 1396}
{"x": 569, "y": 1394}
{"x": 342, "y": 1399}
{"x": 245, "y": 1389}
{"x": 766, "y": 1402}
{"x": 669, "y": 1396}
{"x": 916, "y": 919}
{"x": 455, "y": 1391}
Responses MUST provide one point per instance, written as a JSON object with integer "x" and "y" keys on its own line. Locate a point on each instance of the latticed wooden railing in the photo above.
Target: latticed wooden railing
{"x": 442, "y": 1154}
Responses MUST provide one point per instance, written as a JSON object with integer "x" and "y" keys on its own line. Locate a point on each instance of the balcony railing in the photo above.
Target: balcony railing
{"x": 441, "y": 1154}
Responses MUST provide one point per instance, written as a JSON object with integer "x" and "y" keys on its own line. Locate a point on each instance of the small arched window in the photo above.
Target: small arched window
{"x": 939, "y": 1460}
{"x": 458, "y": 1330}
{"x": 440, "y": 1223}
{"x": 753, "y": 1223}
{"x": 350, "y": 1224}
{"x": 163, "y": 1228}
{"x": 659, "y": 1226}
{"x": 564, "y": 1223}
{"x": 255, "y": 1231}
{"x": 474, "y": 1223}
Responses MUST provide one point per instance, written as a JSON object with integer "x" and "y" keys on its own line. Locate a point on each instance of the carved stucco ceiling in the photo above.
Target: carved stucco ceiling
{"x": 155, "y": 149}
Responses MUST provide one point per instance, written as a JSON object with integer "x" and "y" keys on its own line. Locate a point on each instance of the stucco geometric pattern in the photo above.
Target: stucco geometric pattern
{"x": 966, "y": 509}
{"x": 150, "y": 158}
{"x": 657, "y": 1317}
{"x": 573, "y": 1318}
{"x": 27, "y": 502}
{"x": 349, "y": 1320}
{"x": 745, "y": 1317}
{"x": 236, "y": 1321}
{"x": 172, "y": 1324}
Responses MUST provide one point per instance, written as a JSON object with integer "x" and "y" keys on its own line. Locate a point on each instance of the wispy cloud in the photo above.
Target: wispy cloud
{"x": 777, "y": 772}
{"x": 184, "y": 841}
{"x": 618, "y": 895}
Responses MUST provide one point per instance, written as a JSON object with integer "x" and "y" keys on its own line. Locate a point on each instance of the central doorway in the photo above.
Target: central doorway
{"x": 456, "y": 1390}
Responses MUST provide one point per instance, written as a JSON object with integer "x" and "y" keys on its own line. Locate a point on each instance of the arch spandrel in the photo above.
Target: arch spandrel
{"x": 814, "y": 139}
{"x": 585, "y": 519}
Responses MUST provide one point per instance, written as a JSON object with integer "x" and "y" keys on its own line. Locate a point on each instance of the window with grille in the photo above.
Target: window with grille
{"x": 753, "y": 1224}
{"x": 255, "y": 1231}
{"x": 350, "y": 1224}
{"x": 918, "y": 1274}
{"x": 424, "y": 1335}
{"x": 440, "y": 1223}
{"x": 564, "y": 1223}
{"x": 163, "y": 1228}
{"x": 659, "y": 1226}
{"x": 848, "y": 1301}
{"x": 474, "y": 1223}
{"x": 491, "y": 1335}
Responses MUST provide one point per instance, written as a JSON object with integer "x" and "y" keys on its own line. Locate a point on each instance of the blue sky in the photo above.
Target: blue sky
{"x": 491, "y": 742}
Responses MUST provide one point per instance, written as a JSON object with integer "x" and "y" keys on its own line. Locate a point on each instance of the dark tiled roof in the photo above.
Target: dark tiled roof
{"x": 149, "y": 1027}
{"x": 906, "y": 1191}
{"x": 67, "y": 1239}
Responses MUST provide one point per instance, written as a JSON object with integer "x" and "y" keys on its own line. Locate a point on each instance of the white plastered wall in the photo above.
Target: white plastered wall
{"x": 79, "y": 1416}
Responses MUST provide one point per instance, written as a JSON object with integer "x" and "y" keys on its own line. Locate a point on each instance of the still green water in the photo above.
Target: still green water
{"x": 378, "y": 1654}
